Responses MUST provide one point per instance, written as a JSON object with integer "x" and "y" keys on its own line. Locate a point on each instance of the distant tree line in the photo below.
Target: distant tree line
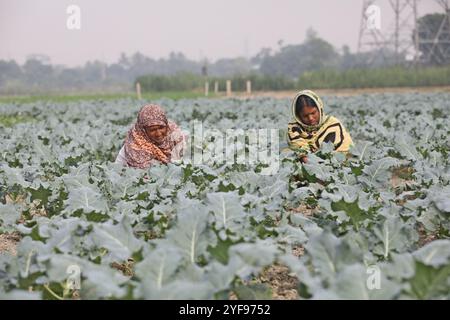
{"x": 188, "y": 81}
{"x": 394, "y": 76}
{"x": 315, "y": 62}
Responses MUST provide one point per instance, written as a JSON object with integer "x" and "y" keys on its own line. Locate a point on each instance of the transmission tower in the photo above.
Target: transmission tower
{"x": 402, "y": 36}
{"x": 437, "y": 46}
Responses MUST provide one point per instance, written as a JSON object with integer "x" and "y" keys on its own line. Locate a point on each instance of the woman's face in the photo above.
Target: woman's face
{"x": 156, "y": 133}
{"x": 310, "y": 115}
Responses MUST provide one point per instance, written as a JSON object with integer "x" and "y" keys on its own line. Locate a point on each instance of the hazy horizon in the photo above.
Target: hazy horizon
{"x": 198, "y": 28}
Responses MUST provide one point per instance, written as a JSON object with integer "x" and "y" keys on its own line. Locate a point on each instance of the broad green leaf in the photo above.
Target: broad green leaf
{"x": 352, "y": 210}
{"x": 362, "y": 150}
{"x": 354, "y": 282}
{"x": 429, "y": 282}
{"x": 101, "y": 281}
{"x": 221, "y": 275}
{"x": 257, "y": 291}
{"x": 159, "y": 266}
{"x": 259, "y": 254}
{"x": 329, "y": 255}
{"x": 9, "y": 214}
{"x": 401, "y": 267}
{"x": 190, "y": 234}
{"x": 20, "y": 295}
{"x": 435, "y": 254}
{"x": 291, "y": 235}
{"x": 407, "y": 149}
{"x": 118, "y": 239}
{"x": 86, "y": 198}
{"x": 377, "y": 174}
{"x": 442, "y": 200}
{"x": 392, "y": 235}
{"x": 227, "y": 210}
{"x": 220, "y": 250}
{"x": 41, "y": 194}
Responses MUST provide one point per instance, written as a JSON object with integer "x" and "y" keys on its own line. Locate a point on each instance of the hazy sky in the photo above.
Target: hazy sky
{"x": 198, "y": 28}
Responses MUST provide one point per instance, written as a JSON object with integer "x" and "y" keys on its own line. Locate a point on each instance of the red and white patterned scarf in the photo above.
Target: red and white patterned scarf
{"x": 140, "y": 150}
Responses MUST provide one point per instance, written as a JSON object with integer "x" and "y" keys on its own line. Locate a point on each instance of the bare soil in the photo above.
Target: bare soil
{"x": 8, "y": 243}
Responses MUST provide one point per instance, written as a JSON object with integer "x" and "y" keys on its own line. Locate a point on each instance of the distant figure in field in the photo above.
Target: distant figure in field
{"x": 311, "y": 127}
{"x": 153, "y": 139}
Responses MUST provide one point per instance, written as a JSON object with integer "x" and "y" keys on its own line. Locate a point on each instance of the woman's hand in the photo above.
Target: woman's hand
{"x": 303, "y": 158}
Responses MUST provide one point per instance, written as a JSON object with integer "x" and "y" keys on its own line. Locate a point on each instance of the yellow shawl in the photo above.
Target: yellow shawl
{"x": 304, "y": 138}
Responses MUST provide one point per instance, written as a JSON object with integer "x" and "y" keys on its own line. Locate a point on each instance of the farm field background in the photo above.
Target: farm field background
{"x": 373, "y": 225}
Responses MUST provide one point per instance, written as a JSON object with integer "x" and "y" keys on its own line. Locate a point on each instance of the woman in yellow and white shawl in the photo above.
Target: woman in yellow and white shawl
{"x": 310, "y": 126}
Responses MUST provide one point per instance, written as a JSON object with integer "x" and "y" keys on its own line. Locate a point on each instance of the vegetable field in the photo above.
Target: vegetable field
{"x": 372, "y": 225}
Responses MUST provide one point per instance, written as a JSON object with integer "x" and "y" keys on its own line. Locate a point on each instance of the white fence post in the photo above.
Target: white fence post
{"x": 216, "y": 87}
{"x": 228, "y": 88}
{"x": 249, "y": 87}
{"x": 138, "y": 91}
{"x": 206, "y": 88}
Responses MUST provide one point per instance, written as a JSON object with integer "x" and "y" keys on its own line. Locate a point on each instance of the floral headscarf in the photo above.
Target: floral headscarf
{"x": 140, "y": 150}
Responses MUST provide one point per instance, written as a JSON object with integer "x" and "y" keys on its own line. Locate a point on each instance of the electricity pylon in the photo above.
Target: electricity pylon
{"x": 403, "y": 36}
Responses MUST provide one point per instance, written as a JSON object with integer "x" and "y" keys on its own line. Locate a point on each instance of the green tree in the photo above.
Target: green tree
{"x": 9, "y": 70}
{"x": 292, "y": 60}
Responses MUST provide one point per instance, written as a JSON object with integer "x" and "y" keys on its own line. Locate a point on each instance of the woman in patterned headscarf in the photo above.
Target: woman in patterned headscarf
{"x": 152, "y": 139}
{"x": 310, "y": 127}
